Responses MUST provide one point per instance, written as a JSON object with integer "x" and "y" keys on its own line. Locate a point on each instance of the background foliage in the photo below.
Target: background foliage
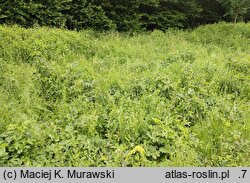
{"x": 122, "y": 15}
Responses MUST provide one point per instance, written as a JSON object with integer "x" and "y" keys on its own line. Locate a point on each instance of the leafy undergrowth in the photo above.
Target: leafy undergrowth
{"x": 179, "y": 98}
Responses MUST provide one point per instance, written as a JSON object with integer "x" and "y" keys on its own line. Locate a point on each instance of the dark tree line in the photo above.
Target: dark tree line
{"x": 122, "y": 15}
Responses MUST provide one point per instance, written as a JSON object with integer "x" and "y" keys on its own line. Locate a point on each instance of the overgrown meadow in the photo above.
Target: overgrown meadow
{"x": 179, "y": 98}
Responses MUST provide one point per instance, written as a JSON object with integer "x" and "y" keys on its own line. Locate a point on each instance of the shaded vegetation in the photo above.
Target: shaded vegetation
{"x": 122, "y": 15}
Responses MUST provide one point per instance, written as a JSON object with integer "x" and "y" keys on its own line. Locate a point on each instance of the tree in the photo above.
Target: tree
{"x": 248, "y": 15}
{"x": 17, "y": 12}
{"x": 124, "y": 13}
{"x": 236, "y": 8}
{"x": 162, "y": 14}
{"x": 51, "y": 12}
{"x": 29, "y": 12}
{"x": 84, "y": 14}
{"x": 212, "y": 11}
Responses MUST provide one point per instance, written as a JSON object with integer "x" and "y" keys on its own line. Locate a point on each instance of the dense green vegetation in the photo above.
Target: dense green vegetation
{"x": 122, "y": 15}
{"x": 179, "y": 98}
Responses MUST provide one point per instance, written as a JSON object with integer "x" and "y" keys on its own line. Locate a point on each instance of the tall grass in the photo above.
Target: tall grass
{"x": 179, "y": 98}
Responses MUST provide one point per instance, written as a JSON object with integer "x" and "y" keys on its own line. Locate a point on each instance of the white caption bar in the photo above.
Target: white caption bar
{"x": 125, "y": 175}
